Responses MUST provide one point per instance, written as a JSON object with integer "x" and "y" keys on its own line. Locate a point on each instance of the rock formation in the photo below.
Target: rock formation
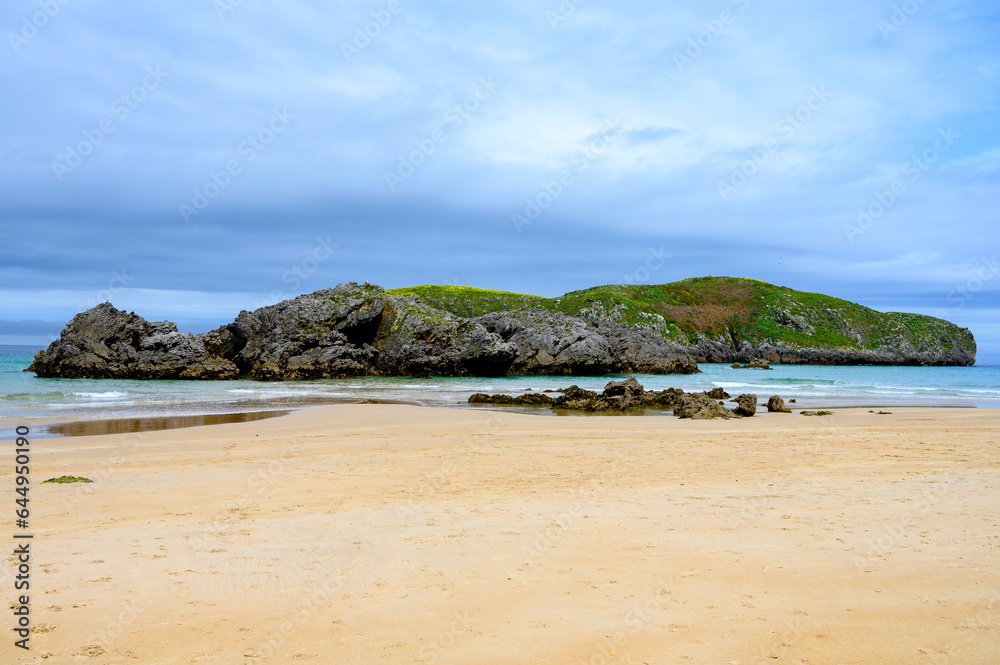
{"x": 353, "y": 330}
{"x": 746, "y": 405}
{"x": 104, "y": 343}
{"x": 753, "y": 364}
{"x": 626, "y": 395}
{"x": 363, "y": 330}
{"x": 777, "y": 405}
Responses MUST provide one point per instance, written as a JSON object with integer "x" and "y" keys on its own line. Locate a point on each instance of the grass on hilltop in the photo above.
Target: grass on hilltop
{"x": 733, "y": 308}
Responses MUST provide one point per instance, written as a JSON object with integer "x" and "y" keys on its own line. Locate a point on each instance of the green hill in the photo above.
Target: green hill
{"x": 720, "y": 308}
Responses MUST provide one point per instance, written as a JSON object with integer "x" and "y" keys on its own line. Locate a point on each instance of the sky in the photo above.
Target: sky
{"x": 187, "y": 160}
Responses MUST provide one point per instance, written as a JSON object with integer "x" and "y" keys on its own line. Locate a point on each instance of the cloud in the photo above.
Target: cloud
{"x": 683, "y": 130}
{"x": 650, "y": 134}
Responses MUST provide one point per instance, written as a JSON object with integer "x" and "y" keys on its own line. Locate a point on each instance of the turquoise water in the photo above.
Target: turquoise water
{"x": 25, "y": 397}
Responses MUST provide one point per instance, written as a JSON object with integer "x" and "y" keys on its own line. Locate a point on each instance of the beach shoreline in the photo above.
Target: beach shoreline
{"x": 400, "y": 534}
{"x": 103, "y": 425}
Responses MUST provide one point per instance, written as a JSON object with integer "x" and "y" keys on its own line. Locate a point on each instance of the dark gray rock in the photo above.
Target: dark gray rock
{"x": 747, "y": 405}
{"x": 718, "y": 393}
{"x": 556, "y": 344}
{"x": 777, "y": 405}
{"x": 620, "y": 396}
{"x": 753, "y": 364}
{"x": 106, "y": 343}
{"x": 699, "y": 406}
{"x": 955, "y": 348}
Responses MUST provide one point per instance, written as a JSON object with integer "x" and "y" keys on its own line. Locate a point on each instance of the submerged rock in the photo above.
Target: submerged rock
{"x": 753, "y": 364}
{"x": 622, "y": 396}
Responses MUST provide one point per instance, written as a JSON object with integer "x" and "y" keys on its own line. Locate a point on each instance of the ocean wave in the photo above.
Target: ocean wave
{"x": 111, "y": 394}
{"x": 21, "y": 396}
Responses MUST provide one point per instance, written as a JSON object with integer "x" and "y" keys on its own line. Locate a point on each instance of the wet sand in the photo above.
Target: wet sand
{"x": 398, "y": 534}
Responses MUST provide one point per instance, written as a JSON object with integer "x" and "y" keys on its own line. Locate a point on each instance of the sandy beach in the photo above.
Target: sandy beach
{"x": 398, "y": 534}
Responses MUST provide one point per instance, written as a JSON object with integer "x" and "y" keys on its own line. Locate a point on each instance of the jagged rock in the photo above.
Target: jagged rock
{"x": 576, "y": 398}
{"x": 106, "y": 343}
{"x": 534, "y": 399}
{"x": 356, "y": 330}
{"x": 556, "y": 344}
{"x": 777, "y": 405}
{"x": 483, "y": 398}
{"x": 666, "y": 399}
{"x": 759, "y": 363}
{"x": 718, "y": 393}
{"x": 620, "y": 396}
{"x": 360, "y": 330}
{"x": 700, "y": 406}
{"x": 747, "y": 405}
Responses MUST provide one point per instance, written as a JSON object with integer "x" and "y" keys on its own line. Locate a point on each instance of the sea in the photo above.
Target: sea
{"x": 26, "y": 398}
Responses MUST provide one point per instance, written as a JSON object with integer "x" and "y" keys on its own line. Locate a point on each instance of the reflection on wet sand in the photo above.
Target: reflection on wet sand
{"x": 126, "y": 425}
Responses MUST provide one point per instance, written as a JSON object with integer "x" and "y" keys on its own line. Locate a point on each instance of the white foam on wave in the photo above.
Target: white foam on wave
{"x": 108, "y": 395}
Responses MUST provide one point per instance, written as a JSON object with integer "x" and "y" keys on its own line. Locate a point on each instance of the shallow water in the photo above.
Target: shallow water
{"x": 27, "y": 398}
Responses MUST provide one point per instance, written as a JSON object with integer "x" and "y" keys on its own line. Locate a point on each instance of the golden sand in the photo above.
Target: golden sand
{"x": 395, "y": 534}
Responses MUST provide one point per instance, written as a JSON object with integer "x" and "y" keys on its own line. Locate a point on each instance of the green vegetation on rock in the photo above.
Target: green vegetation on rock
{"x": 467, "y": 301}
{"x": 733, "y": 309}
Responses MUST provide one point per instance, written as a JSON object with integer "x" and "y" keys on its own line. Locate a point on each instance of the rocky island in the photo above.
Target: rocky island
{"x": 364, "y": 330}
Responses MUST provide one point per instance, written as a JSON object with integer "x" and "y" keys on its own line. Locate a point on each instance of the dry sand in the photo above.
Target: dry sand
{"x": 395, "y": 534}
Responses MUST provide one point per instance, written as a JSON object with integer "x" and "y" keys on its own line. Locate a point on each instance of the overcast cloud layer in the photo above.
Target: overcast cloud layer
{"x": 191, "y": 159}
